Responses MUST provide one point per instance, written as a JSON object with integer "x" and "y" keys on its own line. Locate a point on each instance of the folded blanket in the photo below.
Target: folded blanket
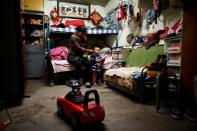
{"x": 60, "y": 62}
{"x": 62, "y": 66}
{"x": 124, "y": 72}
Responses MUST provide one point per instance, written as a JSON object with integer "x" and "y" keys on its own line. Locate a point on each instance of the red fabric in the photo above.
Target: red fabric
{"x": 96, "y": 18}
{"x": 74, "y": 23}
{"x": 166, "y": 29}
{"x": 165, "y": 34}
{"x": 59, "y": 53}
{"x": 121, "y": 13}
{"x": 176, "y": 25}
{"x": 56, "y": 20}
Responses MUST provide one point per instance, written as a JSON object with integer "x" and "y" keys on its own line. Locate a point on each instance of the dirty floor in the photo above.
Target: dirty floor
{"x": 38, "y": 112}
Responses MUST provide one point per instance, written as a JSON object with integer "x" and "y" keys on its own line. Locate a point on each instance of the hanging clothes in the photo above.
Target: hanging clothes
{"x": 157, "y": 9}
{"x": 150, "y": 16}
{"x": 176, "y": 25}
{"x": 121, "y": 13}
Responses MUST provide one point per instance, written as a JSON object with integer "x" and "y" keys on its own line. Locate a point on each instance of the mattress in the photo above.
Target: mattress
{"x": 122, "y": 76}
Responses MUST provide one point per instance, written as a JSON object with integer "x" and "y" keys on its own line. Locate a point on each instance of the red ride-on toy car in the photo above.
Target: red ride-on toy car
{"x": 80, "y": 108}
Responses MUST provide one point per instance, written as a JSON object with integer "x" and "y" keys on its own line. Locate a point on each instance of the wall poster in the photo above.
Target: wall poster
{"x": 73, "y": 10}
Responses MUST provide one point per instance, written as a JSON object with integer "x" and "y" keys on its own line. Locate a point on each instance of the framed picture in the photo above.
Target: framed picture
{"x": 73, "y": 10}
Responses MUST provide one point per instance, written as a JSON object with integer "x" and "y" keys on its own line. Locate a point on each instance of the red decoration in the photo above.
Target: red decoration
{"x": 55, "y": 17}
{"x": 74, "y": 23}
{"x": 121, "y": 13}
{"x": 176, "y": 25}
{"x": 96, "y": 18}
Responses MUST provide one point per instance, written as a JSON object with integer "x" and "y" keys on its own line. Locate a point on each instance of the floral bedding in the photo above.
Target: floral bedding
{"x": 122, "y": 76}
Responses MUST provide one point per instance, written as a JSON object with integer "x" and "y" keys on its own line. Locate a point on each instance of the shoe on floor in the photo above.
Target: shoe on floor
{"x": 95, "y": 84}
{"x": 175, "y": 113}
{"x": 81, "y": 79}
{"x": 88, "y": 84}
{"x": 191, "y": 116}
{"x": 100, "y": 83}
{"x": 4, "y": 124}
{"x": 51, "y": 83}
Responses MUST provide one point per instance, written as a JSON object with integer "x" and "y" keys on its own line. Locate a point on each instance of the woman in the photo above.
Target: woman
{"x": 77, "y": 50}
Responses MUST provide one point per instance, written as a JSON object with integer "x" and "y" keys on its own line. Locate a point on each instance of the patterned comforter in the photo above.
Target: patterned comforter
{"x": 122, "y": 77}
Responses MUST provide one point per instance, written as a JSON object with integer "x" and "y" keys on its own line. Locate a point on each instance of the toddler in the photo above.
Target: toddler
{"x": 96, "y": 62}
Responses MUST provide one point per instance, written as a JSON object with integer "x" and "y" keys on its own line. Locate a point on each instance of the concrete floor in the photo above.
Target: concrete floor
{"x": 39, "y": 112}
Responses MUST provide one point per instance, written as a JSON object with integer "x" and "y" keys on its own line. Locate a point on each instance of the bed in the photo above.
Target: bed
{"x": 59, "y": 69}
{"x": 127, "y": 78}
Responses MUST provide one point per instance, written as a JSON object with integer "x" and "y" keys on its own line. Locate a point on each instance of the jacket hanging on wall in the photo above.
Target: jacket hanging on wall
{"x": 157, "y": 9}
{"x": 150, "y": 16}
{"x": 121, "y": 13}
{"x": 130, "y": 9}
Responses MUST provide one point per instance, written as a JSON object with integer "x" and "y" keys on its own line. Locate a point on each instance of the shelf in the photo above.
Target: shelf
{"x": 34, "y": 24}
{"x": 89, "y": 30}
{"x": 173, "y": 52}
{"x": 174, "y": 65}
{"x": 35, "y": 36}
{"x": 33, "y": 28}
{"x": 172, "y": 77}
{"x": 173, "y": 49}
{"x": 179, "y": 37}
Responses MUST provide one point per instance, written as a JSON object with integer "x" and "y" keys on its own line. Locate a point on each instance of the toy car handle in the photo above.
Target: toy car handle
{"x": 87, "y": 94}
{"x": 73, "y": 83}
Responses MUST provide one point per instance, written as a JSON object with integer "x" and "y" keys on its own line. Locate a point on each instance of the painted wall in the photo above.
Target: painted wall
{"x": 168, "y": 17}
{"x": 50, "y": 4}
{"x": 126, "y": 30}
{"x": 111, "y": 5}
{"x": 121, "y": 38}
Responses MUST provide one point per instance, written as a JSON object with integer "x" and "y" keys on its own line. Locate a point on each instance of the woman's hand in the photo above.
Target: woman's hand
{"x": 89, "y": 50}
{"x": 85, "y": 38}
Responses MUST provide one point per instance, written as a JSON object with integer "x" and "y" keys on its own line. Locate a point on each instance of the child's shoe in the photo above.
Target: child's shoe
{"x": 100, "y": 83}
{"x": 94, "y": 84}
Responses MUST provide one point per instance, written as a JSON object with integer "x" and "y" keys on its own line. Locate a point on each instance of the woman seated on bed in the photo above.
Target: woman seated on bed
{"x": 76, "y": 55}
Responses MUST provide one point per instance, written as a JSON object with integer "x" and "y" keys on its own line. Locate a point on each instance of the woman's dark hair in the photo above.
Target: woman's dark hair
{"x": 58, "y": 41}
{"x": 81, "y": 29}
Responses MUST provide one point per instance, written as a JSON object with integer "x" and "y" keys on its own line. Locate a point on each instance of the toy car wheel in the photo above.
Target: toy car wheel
{"x": 60, "y": 110}
{"x": 75, "y": 121}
